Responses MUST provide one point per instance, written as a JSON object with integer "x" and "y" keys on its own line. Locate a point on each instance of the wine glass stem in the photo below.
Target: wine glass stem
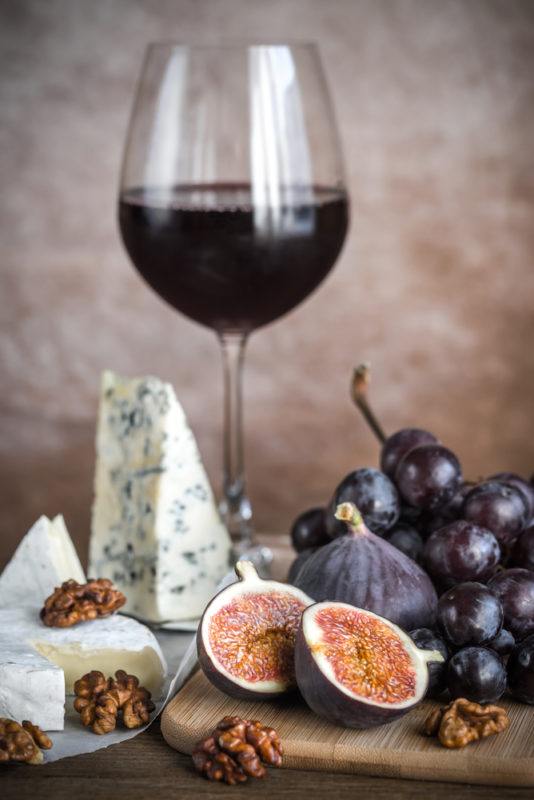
{"x": 235, "y": 506}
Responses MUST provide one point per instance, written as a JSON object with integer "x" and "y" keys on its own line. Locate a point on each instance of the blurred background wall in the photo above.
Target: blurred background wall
{"x": 435, "y": 287}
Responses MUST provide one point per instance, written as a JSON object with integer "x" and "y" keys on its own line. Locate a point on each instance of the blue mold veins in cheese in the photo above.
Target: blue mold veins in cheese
{"x": 156, "y": 532}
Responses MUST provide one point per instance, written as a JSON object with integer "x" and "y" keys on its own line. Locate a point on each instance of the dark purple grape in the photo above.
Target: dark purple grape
{"x": 515, "y": 590}
{"x": 308, "y": 530}
{"x": 431, "y": 521}
{"x": 410, "y": 515}
{"x": 437, "y": 672}
{"x": 299, "y": 562}
{"x": 499, "y": 507}
{"x": 503, "y": 643}
{"x": 523, "y": 550}
{"x": 461, "y": 552}
{"x": 526, "y": 488}
{"x": 453, "y": 509}
{"x": 406, "y": 539}
{"x": 469, "y": 614}
{"x": 398, "y": 444}
{"x": 520, "y": 669}
{"x": 477, "y": 674}
{"x": 428, "y": 476}
{"x": 375, "y": 496}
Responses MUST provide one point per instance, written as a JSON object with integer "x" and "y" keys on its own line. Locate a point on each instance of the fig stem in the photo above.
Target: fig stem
{"x": 431, "y": 655}
{"x": 361, "y": 378}
{"x": 246, "y": 570}
{"x": 349, "y": 513}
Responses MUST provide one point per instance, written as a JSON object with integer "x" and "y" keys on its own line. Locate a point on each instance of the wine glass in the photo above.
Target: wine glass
{"x": 232, "y": 203}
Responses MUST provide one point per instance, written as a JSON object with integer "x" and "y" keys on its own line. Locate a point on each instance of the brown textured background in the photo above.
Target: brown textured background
{"x": 435, "y": 102}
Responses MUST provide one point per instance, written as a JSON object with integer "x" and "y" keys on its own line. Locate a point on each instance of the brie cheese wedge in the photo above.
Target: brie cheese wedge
{"x": 39, "y": 665}
{"x": 156, "y": 531}
{"x": 43, "y": 560}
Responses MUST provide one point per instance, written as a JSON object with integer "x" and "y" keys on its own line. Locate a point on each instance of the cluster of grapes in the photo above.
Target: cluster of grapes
{"x": 475, "y": 540}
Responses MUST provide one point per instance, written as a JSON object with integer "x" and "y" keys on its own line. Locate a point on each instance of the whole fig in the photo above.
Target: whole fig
{"x": 366, "y": 571}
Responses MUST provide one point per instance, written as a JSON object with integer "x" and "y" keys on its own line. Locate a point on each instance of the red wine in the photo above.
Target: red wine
{"x": 227, "y": 261}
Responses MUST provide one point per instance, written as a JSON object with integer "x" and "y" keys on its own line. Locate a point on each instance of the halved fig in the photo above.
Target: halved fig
{"x": 246, "y": 638}
{"x": 357, "y": 669}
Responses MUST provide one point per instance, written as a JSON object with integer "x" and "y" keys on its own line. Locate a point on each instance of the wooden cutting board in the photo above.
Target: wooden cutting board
{"x": 397, "y": 750}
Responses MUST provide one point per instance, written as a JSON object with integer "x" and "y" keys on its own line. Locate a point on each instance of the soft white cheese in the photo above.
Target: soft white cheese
{"x": 156, "y": 532}
{"x": 39, "y": 664}
{"x": 43, "y": 560}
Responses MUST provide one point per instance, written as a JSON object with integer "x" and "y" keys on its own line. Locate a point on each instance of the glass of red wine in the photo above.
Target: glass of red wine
{"x": 232, "y": 203}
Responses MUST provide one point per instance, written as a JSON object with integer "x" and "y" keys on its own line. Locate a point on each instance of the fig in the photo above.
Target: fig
{"x": 366, "y": 571}
{"x": 246, "y": 637}
{"x": 357, "y": 669}
{"x": 298, "y": 563}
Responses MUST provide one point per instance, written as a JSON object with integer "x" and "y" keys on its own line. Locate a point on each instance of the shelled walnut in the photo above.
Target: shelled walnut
{"x": 462, "y": 722}
{"x": 235, "y": 751}
{"x": 100, "y": 701}
{"x": 73, "y": 602}
{"x": 22, "y": 742}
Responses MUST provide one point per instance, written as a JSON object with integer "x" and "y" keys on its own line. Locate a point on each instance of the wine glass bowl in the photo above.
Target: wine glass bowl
{"x": 232, "y": 204}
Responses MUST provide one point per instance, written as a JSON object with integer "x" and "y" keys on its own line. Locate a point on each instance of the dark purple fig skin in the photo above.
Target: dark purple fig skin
{"x": 398, "y": 444}
{"x": 477, "y": 674}
{"x": 325, "y": 699}
{"x": 523, "y": 551}
{"x": 426, "y": 639}
{"x": 499, "y": 507}
{"x": 308, "y": 530}
{"x": 366, "y": 571}
{"x": 298, "y": 563}
{"x": 515, "y": 589}
{"x": 520, "y": 669}
{"x": 461, "y": 551}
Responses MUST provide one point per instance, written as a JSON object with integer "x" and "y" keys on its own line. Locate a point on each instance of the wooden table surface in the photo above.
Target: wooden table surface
{"x": 146, "y": 768}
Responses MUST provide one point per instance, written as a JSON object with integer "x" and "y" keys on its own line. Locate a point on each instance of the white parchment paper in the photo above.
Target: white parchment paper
{"x": 180, "y": 653}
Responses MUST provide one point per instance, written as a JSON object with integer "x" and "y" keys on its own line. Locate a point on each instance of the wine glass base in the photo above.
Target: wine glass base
{"x": 260, "y": 556}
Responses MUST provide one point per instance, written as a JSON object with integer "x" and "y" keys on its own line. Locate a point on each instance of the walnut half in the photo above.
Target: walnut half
{"x": 22, "y": 742}
{"x": 462, "y": 722}
{"x": 73, "y": 602}
{"x": 235, "y": 751}
{"x": 99, "y": 701}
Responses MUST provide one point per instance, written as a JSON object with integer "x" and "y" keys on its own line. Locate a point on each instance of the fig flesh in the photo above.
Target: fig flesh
{"x": 366, "y": 571}
{"x": 246, "y": 637}
{"x": 357, "y": 669}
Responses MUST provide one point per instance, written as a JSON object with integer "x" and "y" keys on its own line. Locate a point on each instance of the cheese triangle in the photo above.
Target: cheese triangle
{"x": 43, "y": 560}
{"x": 156, "y": 531}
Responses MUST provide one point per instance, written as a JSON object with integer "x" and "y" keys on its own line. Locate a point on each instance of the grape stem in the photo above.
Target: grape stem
{"x": 360, "y": 383}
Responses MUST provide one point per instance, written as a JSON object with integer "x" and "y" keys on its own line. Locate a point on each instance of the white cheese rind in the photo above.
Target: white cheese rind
{"x": 43, "y": 560}
{"x": 31, "y": 688}
{"x": 156, "y": 532}
{"x": 38, "y": 664}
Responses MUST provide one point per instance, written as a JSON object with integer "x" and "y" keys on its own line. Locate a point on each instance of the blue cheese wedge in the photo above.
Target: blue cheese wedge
{"x": 156, "y": 532}
{"x": 38, "y": 665}
{"x": 43, "y": 560}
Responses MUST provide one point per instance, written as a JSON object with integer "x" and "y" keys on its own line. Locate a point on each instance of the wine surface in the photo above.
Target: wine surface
{"x": 229, "y": 260}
